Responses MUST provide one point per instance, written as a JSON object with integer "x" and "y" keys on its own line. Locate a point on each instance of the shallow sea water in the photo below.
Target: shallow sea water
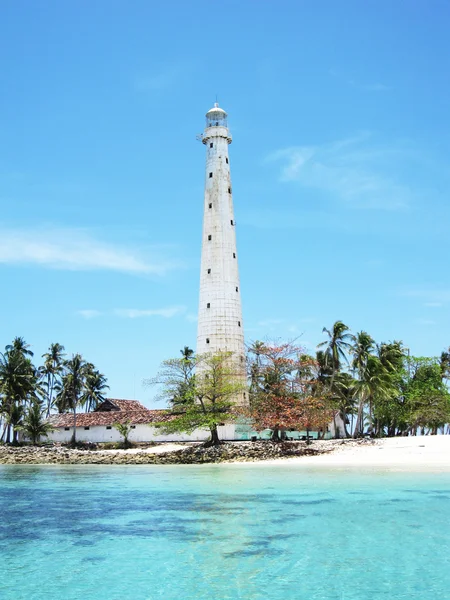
{"x": 222, "y": 532}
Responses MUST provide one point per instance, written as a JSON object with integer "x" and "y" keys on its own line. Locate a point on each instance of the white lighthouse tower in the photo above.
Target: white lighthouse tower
{"x": 220, "y": 325}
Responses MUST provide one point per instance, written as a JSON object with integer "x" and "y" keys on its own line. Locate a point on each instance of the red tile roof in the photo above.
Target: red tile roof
{"x": 127, "y": 410}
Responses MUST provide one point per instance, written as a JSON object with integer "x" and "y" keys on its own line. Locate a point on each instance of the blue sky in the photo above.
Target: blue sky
{"x": 340, "y": 166}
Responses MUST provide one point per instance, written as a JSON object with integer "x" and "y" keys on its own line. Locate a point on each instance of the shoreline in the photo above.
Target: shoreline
{"x": 414, "y": 453}
{"x": 421, "y": 453}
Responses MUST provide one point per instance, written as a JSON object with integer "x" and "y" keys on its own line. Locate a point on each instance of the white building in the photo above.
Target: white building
{"x": 98, "y": 426}
{"x": 220, "y": 325}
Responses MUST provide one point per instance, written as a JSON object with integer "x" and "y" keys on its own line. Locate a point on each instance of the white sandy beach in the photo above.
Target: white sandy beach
{"x": 419, "y": 453}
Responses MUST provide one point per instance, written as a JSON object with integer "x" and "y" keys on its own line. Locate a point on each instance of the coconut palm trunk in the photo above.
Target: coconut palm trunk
{"x": 74, "y": 434}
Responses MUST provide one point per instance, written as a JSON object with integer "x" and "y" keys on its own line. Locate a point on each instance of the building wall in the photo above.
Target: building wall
{"x": 337, "y": 427}
{"x": 141, "y": 433}
{"x": 146, "y": 433}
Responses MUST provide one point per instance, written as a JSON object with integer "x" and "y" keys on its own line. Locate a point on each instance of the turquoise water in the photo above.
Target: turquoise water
{"x": 222, "y": 532}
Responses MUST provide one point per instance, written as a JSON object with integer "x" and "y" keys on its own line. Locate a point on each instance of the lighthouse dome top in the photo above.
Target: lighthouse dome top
{"x": 216, "y": 117}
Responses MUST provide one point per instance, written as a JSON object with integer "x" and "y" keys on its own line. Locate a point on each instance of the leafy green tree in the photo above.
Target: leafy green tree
{"x": 94, "y": 387}
{"x": 19, "y": 346}
{"x": 390, "y": 414}
{"x": 373, "y": 384}
{"x": 51, "y": 371}
{"x": 34, "y": 424}
{"x": 201, "y": 392}
{"x": 72, "y": 387}
{"x": 18, "y": 385}
{"x": 444, "y": 364}
{"x": 343, "y": 397}
{"x": 361, "y": 349}
{"x": 427, "y": 397}
{"x": 334, "y": 356}
{"x": 124, "y": 430}
{"x": 336, "y": 347}
{"x": 187, "y": 353}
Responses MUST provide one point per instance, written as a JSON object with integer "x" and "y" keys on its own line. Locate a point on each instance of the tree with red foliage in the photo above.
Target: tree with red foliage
{"x": 284, "y": 390}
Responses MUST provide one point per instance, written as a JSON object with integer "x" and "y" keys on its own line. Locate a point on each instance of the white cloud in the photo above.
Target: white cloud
{"x": 75, "y": 250}
{"x": 352, "y": 170}
{"x": 134, "y": 313}
{"x": 89, "y": 313}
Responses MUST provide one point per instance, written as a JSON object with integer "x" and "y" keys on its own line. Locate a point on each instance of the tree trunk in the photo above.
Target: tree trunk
{"x": 215, "y": 440}
{"x": 336, "y": 430}
{"x": 8, "y": 434}
{"x": 74, "y": 435}
{"x": 344, "y": 420}
{"x": 307, "y": 437}
{"x": 275, "y": 437}
{"x": 359, "y": 420}
{"x": 50, "y": 394}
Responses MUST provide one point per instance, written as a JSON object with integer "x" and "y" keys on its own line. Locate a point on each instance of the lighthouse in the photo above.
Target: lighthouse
{"x": 220, "y": 325}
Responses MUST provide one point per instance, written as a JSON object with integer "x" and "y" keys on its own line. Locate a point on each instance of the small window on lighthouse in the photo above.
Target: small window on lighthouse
{"x": 207, "y": 340}
{"x": 239, "y": 323}
{"x": 209, "y": 271}
{"x": 210, "y": 205}
{"x": 209, "y": 237}
{"x": 234, "y": 254}
{"x": 229, "y": 190}
{"x": 211, "y": 145}
{"x": 232, "y": 222}
{"x": 237, "y": 289}
{"x": 226, "y": 160}
{"x": 210, "y": 175}
{"x": 208, "y": 305}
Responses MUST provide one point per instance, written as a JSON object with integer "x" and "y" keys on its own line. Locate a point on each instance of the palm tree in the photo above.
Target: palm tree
{"x": 343, "y": 397}
{"x": 187, "y": 353}
{"x": 53, "y": 366}
{"x": 18, "y": 384}
{"x": 444, "y": 363}
{"x": 392, "y": 355}
{"x": 34, "y": 424}
{"x": 19, "y": 346}
{"x": 373, "y": 383}
{"x": 362, "y": 346}
{"x": 254, "y": 365}
{"x": 94, "y": 387}
{"x": 70, "y": 391}
{"x": 336, "y": 346}
{"x": 324, "y": 369}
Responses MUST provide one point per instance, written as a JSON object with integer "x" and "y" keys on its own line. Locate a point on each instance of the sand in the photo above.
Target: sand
{"x": 421, "y": 453}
